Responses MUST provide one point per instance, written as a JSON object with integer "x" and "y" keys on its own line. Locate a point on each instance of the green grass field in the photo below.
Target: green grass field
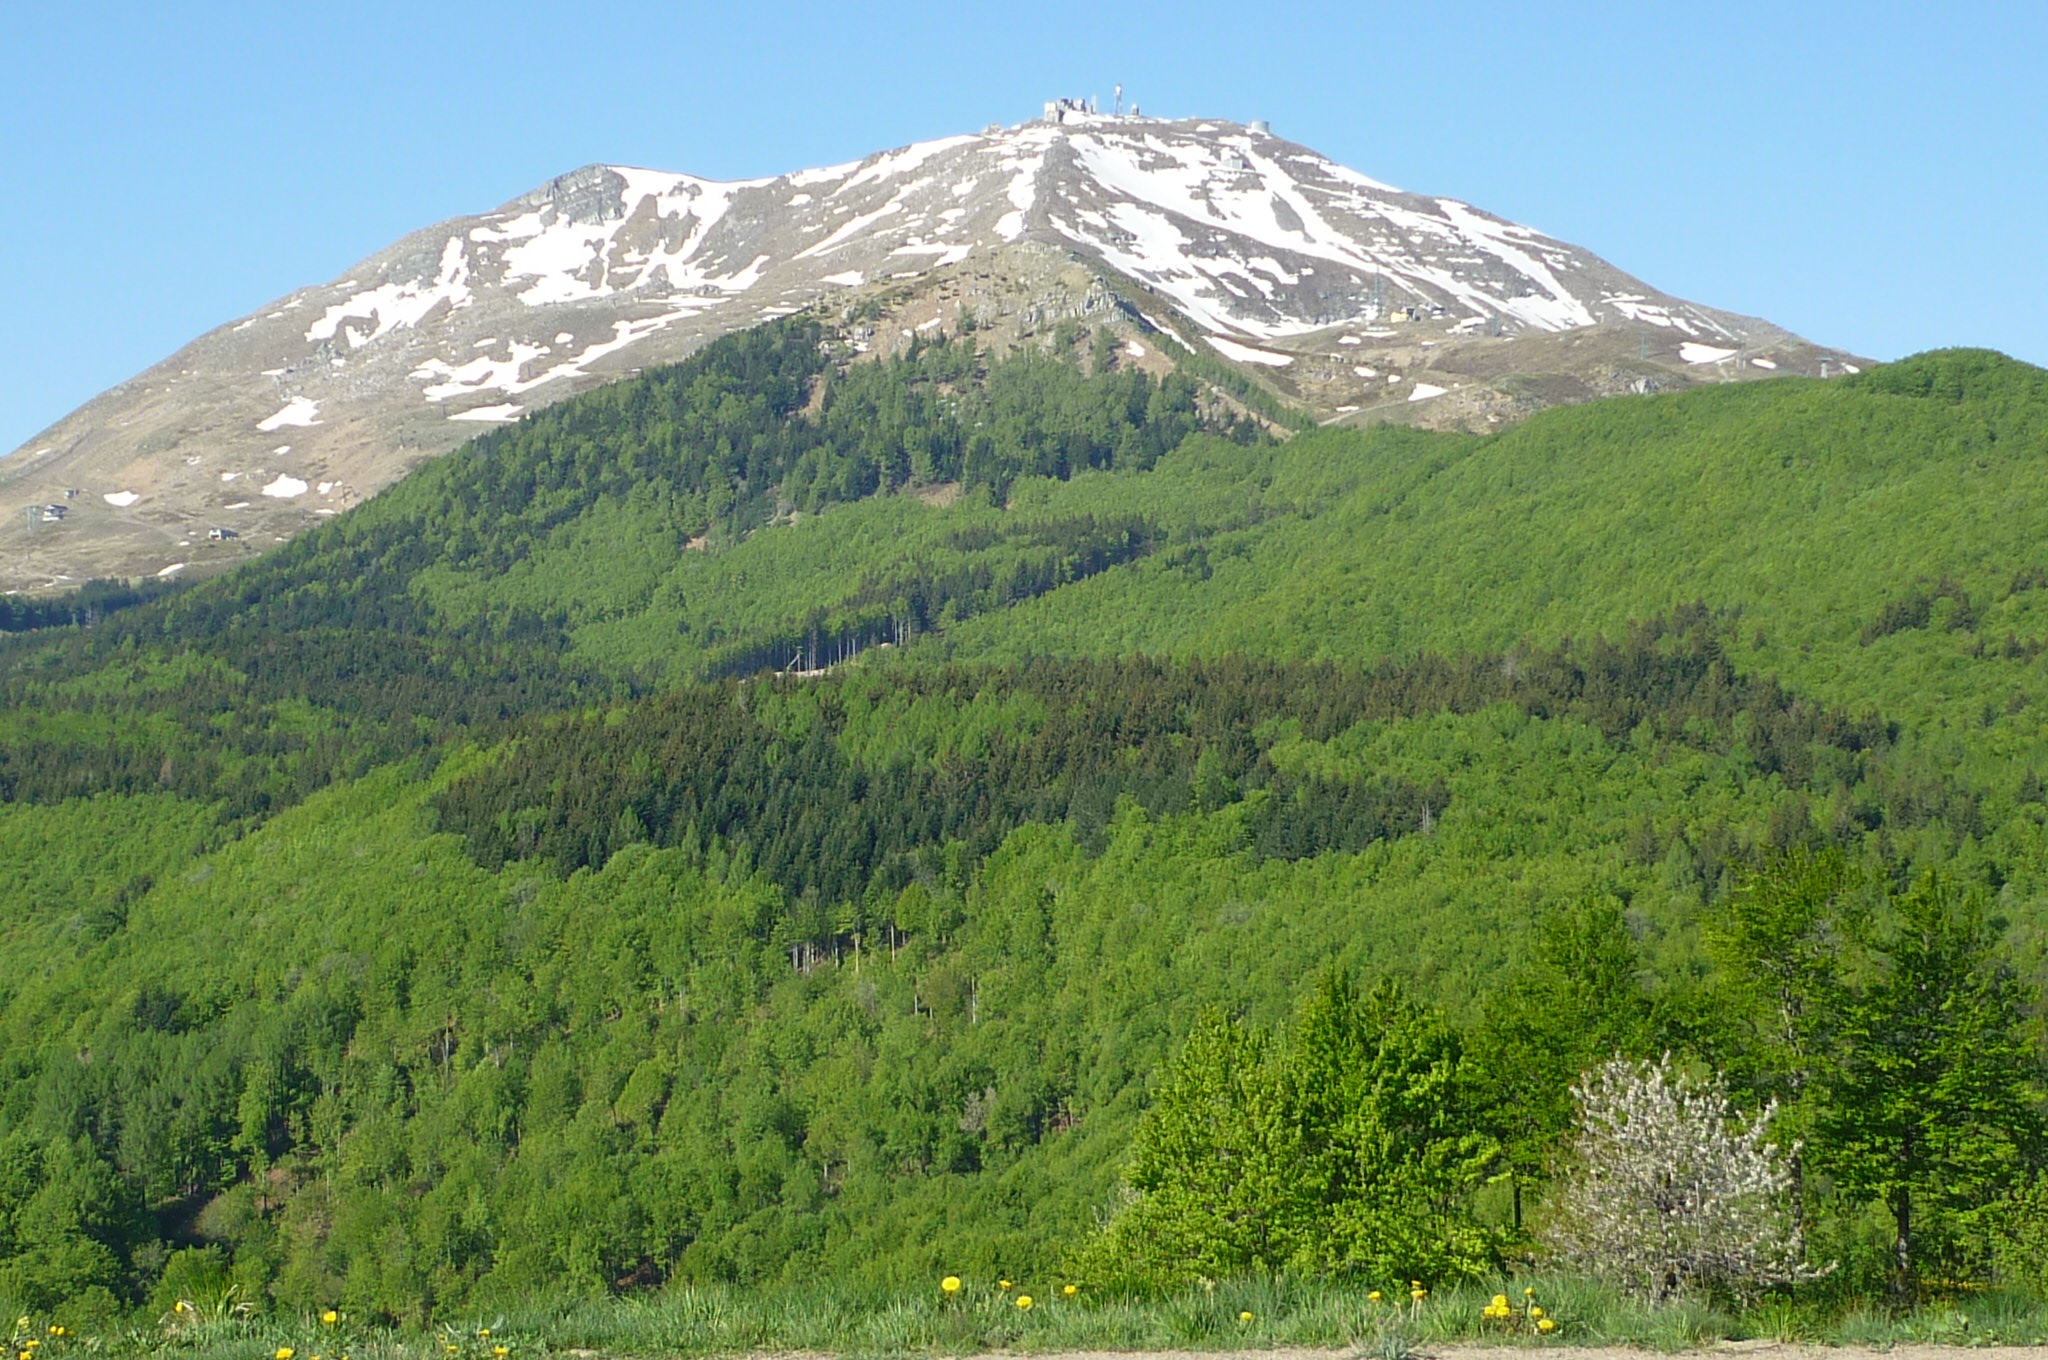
{"x": 853, "y": 1321}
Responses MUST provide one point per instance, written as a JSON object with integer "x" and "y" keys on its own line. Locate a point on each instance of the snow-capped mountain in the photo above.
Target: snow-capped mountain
{"x": 1328, "y": 284}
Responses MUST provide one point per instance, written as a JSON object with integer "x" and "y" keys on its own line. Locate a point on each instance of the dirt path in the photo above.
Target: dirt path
{"x": 1728, "y": 1350}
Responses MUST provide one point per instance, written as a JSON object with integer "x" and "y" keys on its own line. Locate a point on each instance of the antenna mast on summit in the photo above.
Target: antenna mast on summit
{"x": 1119, "y": 100}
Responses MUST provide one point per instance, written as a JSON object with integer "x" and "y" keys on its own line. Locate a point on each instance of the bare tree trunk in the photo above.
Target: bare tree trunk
{"x": 1902, "y": 1245}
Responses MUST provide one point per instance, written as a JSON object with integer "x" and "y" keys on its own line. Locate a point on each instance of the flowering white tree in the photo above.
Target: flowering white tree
{"x": 1669, "y": 1189}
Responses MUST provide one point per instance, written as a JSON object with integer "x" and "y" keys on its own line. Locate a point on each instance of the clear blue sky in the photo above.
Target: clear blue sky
{"x": 1873, "y": 175}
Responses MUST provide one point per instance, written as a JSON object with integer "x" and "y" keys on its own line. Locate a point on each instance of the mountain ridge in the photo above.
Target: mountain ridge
{"x": 1308, "y": 277}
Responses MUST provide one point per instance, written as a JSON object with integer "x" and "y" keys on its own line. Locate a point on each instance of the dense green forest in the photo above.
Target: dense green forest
{"x": 785, "y": 816}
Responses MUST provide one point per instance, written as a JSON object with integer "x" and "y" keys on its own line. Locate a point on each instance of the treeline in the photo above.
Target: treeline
{"x": 796, "y": 778}
{"x": 83, "y": 607}
{"x": 256, "y": 721}
{"x": 908, "y": 599}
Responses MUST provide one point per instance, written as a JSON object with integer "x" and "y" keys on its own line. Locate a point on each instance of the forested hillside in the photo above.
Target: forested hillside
{"x": 782, "y": 814}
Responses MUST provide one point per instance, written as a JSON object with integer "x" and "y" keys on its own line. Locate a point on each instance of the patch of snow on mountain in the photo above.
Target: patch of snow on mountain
{"x": 1695, "y": 353}
{"x": 1248, "y": 194}
{"x": 903, "y": 161}
{"x": 566, "y": 262}
{"x": 1347, "y": 175}
{"x": 284, "y": 488}
{"x": 297, "y": 411}
{"x": 488, "y": 414}
{"x": 1636, "y": 308}
{"x": 120, "y": 500}
{"x": 852, "y": 227}
{"x": 1245, "y": 354}
{"x": 1560, "y": 311}
{"x": 479, "y": 373}
{"x": 745, "y": 279}
{"x": 824, "y": 174}
{"x": 624, "y": 333}
{"x": 1023, "y": 189}
{"x": 391, "y": 305}
{"x": 521, "y": 228}
{"x": 1148, "y": 246}
{"x": 1424, "y": 391}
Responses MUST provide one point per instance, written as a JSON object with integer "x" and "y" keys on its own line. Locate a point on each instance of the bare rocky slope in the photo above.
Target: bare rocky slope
{"x": 1344, "y": 296}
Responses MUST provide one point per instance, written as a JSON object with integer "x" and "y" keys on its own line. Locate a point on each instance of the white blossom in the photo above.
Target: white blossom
{"x": 1669, "y": 1189}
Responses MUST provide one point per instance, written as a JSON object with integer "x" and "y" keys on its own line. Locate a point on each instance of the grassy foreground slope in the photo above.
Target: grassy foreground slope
{"x": 409, "y": 921}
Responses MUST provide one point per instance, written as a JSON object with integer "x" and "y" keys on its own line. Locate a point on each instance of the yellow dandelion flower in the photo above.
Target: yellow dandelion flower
{"x": 484, "y": 1333}
{"x": 1534, "y": 1311}
{"x": 1546, "y": 1325}
{"x": 329, "y": 1318}
{"x": 1418, "y": 1294}
{"x": 1244, "y": 1317}
{"x": 1500, "y": 1300}
{"x": 1529, "y": 1291}
{"x": 1002, "y": 1284}
{"x": 285, "y": 1353}
{"x": 497, "y": 1350}
{"x": 951, "y": 1284}
{"x": 1024, "y": 1302}
{"x": 1071, "y": 1290}
{"x": 1374, "y": 1296}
